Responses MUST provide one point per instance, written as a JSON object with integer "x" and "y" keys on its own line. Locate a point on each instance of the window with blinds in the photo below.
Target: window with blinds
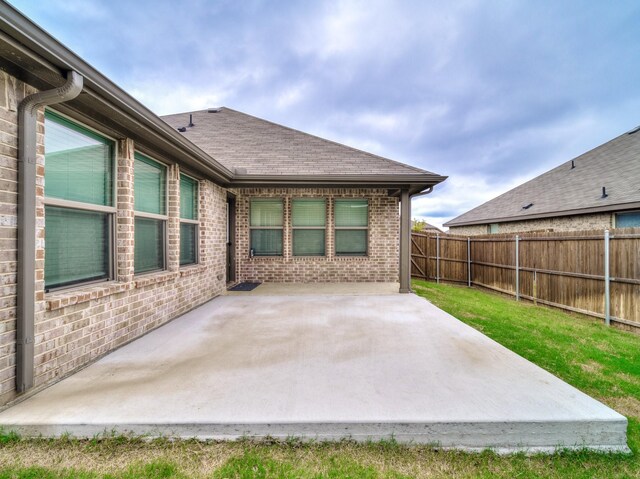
{"x": 150, "y": 205}
{"x": 79, "y": 206}
{"x": 351, "y": 227}
{"x": 266, "y": 219}
{"x": 308, "y": 221}
{"x": 188, "y": 220}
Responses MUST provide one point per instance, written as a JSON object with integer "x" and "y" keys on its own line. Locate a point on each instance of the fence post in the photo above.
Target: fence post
{"x": 517, "y": 268}
{"x": 437, "y": 258}
{"x": 468, "y": 261}
{"x": 607, "y": 295}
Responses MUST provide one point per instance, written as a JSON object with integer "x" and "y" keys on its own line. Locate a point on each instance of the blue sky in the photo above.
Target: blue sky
{"x": 490, "y": 93}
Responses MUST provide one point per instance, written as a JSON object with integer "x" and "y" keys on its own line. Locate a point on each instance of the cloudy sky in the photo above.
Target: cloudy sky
{"x": 490, "y": 93}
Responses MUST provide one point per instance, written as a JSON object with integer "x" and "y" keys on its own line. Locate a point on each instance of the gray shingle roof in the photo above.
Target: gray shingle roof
{"x": 240, "y": 141}
{"x": 565, "y": 191}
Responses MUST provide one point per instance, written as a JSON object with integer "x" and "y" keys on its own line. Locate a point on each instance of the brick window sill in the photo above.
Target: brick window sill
{"x": 308, "y": 259}
{"x": 155, "y": 278}
{"x": 82, "y": 294}
{"x": 192, "y": 269}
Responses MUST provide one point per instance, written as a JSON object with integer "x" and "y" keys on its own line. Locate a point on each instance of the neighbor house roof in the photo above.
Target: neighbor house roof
{"x": 249, "y": 145}
{"x": 575, "y": 187}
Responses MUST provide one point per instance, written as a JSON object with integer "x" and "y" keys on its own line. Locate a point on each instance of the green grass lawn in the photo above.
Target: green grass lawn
{"x": 603, "y": 362}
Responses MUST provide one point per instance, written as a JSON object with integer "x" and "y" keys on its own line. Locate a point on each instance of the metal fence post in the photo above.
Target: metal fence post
{"x": 437, "y": 258}
{"x": 607, "y": 293}
{"x": 517, "y": 268}
{"x": 468, "y": 261}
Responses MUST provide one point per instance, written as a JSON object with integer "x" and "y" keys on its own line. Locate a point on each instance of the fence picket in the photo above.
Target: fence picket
{"x": 577, "y": 271}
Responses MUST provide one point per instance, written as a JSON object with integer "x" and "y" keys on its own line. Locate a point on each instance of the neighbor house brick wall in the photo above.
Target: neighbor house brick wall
{"x": 561, "y": 223}
{"x": 77, "y": 325}
{"x": 380, "y": 265}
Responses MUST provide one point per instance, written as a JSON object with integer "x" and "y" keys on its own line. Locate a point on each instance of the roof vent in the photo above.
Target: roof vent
{"x": 191, "y": 125}
{"x": 213, "y": 110}
{"x": 527, "y": 206}
{"x": 604, "y": 192}
{"x": 635, "y": 130}
{"x": 182, "y": 129}
{"x": 573, "y": 164}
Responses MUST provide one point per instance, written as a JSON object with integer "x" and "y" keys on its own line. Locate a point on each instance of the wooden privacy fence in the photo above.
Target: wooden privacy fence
{"x": 590, "y": 272}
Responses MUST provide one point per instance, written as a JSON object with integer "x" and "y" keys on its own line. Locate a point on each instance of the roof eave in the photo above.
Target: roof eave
{"x": 412, "y": 182}
{"x": 552, "y": 214}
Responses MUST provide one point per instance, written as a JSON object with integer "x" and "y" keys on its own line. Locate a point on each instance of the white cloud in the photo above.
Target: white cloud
{"x": 292, "y": 95}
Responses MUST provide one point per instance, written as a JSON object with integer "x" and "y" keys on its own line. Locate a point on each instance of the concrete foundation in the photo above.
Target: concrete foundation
{"x": 323, "y": 367}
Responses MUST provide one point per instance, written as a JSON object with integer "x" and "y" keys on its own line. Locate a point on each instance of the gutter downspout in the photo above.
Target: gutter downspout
{"x": 27, "y": 129}
{"x": 405, "y": 237}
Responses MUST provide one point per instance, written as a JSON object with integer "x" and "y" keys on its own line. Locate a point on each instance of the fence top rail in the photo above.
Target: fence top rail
{"x": 531, "y": 238}
{"x": 632, "y": 233}
{"x": 449, "y": 238}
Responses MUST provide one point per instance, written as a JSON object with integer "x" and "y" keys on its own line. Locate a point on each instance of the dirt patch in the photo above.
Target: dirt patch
{"x": 591, "y": 367}
{"x": 627, "y": 406}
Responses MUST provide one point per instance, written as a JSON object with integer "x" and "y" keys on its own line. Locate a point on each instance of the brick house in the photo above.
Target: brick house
{"x": 114, "y": 221}
{"x": 596, "y": 190}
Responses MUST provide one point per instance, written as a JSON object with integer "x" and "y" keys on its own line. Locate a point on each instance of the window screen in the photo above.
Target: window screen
{"x": 149, "y": 245}
{"x": 265, "y": 220}
{"x": 77, "y": 246}
{"x": 188, "y": 220}
{"x": 308, "y": 218}
{"x": 79, "y": 202}
{"x": 351, "y": 219}
{"x": 150, "y": 181}
{"x": 628, "y": 220}
{"x": 78, "y": 163}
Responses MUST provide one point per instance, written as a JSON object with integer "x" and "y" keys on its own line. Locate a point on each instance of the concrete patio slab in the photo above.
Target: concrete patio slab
{"x": 323, "y": 367}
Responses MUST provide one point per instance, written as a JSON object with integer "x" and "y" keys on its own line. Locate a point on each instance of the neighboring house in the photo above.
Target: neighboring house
{"x": 113, "y": 222}
{"x": 424, "y": 227}
{"x": 597, "y": 190}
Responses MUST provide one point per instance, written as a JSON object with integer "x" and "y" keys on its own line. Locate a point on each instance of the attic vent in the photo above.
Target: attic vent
{"x": 182, "y": 129}
{"x": 635, "y": 130}
{"x": 213, "y": 110}
{"x": 527, "y": 206}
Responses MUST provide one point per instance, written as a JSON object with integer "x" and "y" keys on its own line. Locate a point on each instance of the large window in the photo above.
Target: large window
{"x": 188, "y": 220}
{"x": 351, "y": 219}
{"x": 628, "y": 220}
{"x": 149, "y": 183}
{"x": 308, "y": 221}
{"x": 265, "y": 223}
{"x": 79, "y": 206}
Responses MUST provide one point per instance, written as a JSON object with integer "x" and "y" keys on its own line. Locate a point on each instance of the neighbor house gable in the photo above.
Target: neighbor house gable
{"x": 604, "y": 179}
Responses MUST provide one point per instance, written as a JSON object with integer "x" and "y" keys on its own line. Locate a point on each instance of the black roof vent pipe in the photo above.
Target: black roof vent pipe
{"x": 573, "y": 164}
{"x": 191, "y": 121}
{"x": 604, "y": 192}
